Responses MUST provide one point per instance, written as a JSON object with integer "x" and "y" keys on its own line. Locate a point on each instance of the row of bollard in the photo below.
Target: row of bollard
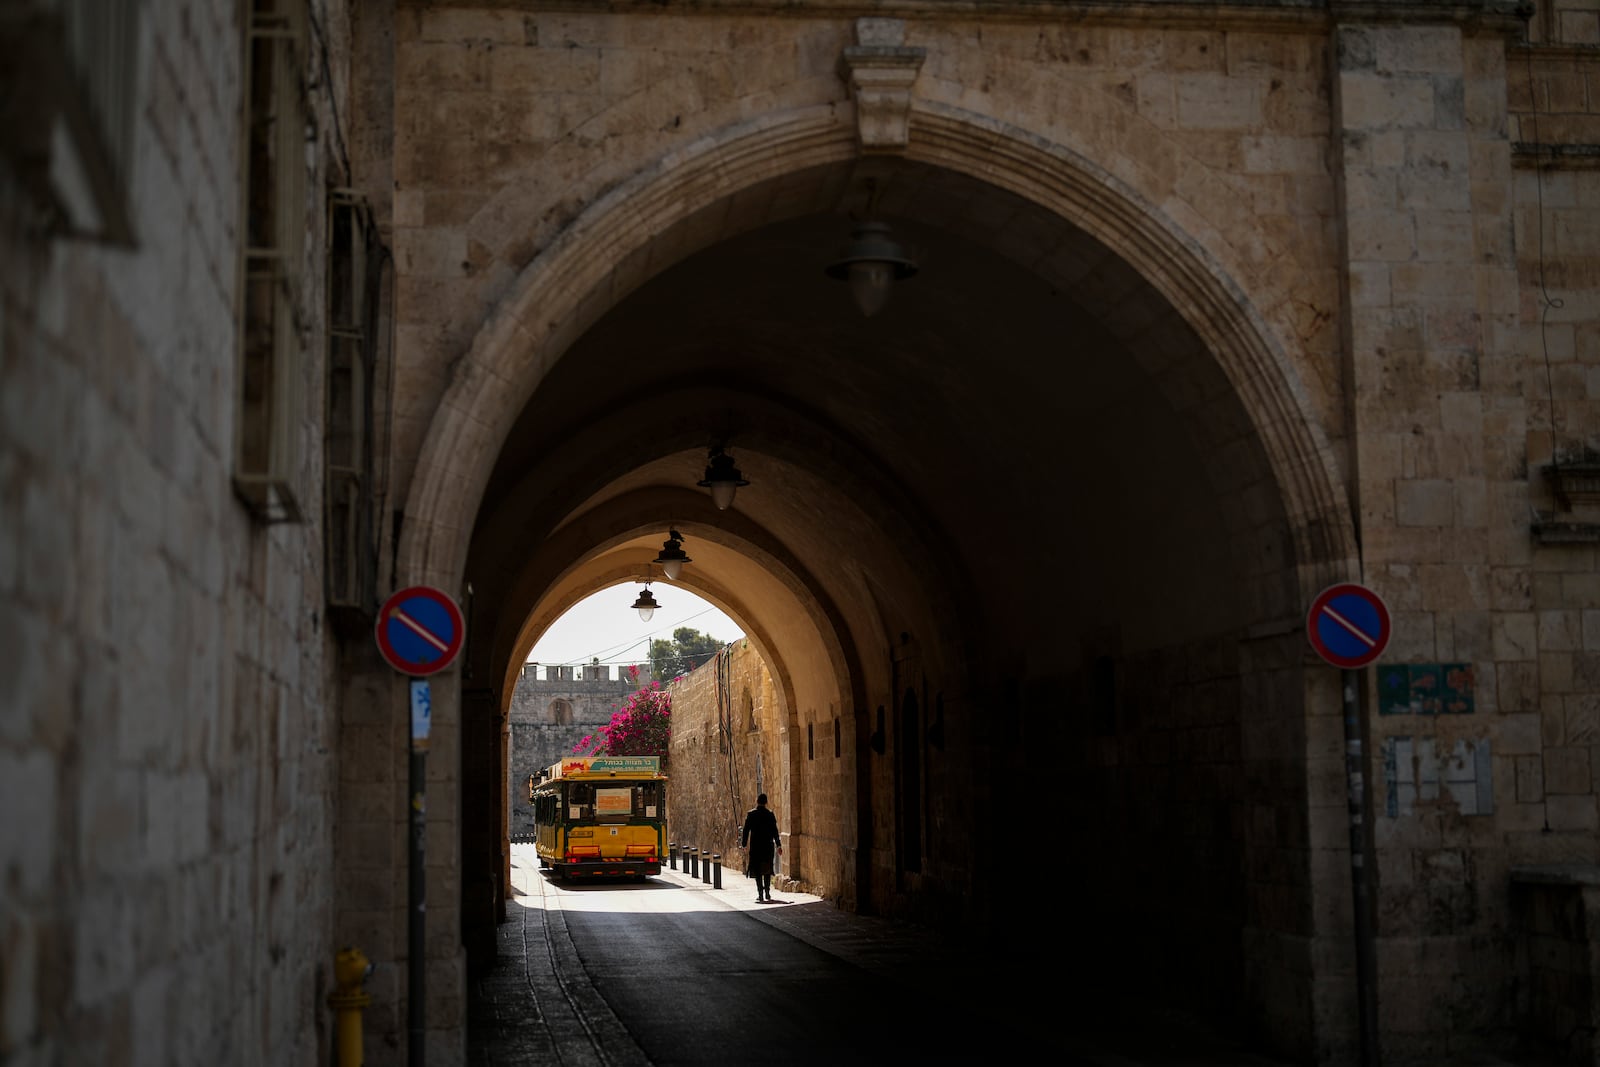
{"x": 697, "y": 863}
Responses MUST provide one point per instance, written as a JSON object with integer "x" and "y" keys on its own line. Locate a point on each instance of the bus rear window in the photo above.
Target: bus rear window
{"x": 615, "y": 802}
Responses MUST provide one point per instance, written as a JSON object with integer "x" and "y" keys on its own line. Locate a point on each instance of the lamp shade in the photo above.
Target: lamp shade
{"x": 646, "y": 605}
{"x": 871, "y": 263}
{"x": 672, "y": 557}
{"x": 722, "y": 478}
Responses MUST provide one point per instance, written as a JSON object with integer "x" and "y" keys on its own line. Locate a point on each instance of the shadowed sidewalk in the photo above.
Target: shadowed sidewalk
{"x": 536, "y": 1006}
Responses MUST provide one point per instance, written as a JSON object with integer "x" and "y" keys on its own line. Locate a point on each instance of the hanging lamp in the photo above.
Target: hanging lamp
{"x": 646, "y": 604}
{"x": 722, "y": 478}
{"x": 672, "y": 557}
{"x": 872, "y": 262}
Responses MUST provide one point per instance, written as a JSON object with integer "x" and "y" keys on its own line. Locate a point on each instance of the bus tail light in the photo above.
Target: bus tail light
{"x": 582, "y": 852}
{"x": 647, "y": 851}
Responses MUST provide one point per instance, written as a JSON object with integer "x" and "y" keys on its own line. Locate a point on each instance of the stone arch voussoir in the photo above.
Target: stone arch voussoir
{"x": 1175, "y": 262}
{"x": 577, "y": 278}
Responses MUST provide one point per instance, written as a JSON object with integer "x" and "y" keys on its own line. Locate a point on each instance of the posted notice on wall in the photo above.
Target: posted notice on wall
{"x": 421, "y": 712}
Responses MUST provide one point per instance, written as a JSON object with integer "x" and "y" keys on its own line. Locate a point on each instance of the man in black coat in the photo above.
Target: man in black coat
{"x": 760, "y": 831}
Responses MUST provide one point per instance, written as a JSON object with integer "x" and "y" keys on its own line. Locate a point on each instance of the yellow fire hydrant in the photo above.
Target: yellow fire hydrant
{"x": 350, "y": 969}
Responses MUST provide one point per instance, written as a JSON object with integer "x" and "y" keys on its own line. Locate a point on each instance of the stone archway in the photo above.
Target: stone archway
{"x": 603, "y": 256}
{"x": 557, "y": 297}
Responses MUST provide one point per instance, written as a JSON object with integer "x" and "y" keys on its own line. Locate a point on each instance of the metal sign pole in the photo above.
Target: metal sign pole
{"x": 416, "y": 1002}
{"x": 1349, "y": 626}
{"x": 1366, "y": 963}
{"x": 419, "y": 632}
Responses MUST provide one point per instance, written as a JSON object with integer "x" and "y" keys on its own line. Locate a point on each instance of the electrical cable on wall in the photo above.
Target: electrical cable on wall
{"x": 333, "y": 96}
{"x": 1544, "y": 317}
{"x": 1549, "y": 303}
{"x": 724, "y": 684}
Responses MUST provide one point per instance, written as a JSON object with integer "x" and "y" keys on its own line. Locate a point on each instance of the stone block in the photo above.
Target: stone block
{"x": 445, "y": 66}
{"x": 47, "y": 578}
{"x": 428, "y": 253}
{"x": 1372, "y": 102}
{"x": 1283, "y": 155}
{"x": 380, "y": 933}
{"x": 29, "y": 783}
{"x": 1573, "y": 813}
{"x": 1566, "y": 771}
{"x": 1218, "y": 102}
{"x": 1439, "y": 242}
{"x": 1424, "y": 502}
{"x": 1381, "y": 236}
{"x": 1560, "y": 631}
{"x": 1578, "y": 593}
{"x": 1547, "y": 589}
{"x": 366, "y": 801}
{"x": 474, "y": 27}
{"x": 566, "y": 70}
{"x": 1582, "y": 718}
{"x": 374, "y": 846}
{"x": 1586, "y": 671}
{"x": 1519, "y": 734}
{"x": 1465, "y": 636}
{"x": 1418, "y": 49}
{"x": 1555, "y": 672}
{"x": 1516, "y": 640}
{"x": 1453, "y": 587}
{"x": 102, "y": 948}
{"x": 1449, "y": 102}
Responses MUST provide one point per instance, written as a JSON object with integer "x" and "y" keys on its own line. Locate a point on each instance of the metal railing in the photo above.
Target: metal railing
{"x": 70, "y": 109}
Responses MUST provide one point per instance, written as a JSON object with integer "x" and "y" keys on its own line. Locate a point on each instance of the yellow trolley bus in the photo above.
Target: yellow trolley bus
{"x": 601, "y": 817}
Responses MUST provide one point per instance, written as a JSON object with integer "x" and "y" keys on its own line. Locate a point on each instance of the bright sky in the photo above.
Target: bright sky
{"x": 606, "y": 626}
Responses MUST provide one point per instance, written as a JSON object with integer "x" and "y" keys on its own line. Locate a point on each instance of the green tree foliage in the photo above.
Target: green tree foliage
{"x": 688, "y": 649}
{"x": 641, "y": 726}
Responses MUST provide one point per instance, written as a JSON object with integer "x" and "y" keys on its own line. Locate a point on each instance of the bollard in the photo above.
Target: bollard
{"x": 716, "y": 877}
{"x": 672, "y": 854}
{"x": 350, "y": 970}
{"x": 705, "y": 866}
{"x": 692, "y": 865}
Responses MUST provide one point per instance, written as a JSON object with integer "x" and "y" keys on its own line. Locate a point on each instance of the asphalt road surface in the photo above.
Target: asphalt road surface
{"x": 675, "y": 973}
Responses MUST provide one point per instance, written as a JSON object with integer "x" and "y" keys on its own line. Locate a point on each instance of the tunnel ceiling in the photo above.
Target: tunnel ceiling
{"x": 1022, "y": 400}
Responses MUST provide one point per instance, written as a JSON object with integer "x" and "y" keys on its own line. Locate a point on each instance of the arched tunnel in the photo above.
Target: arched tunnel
{"x": 1029, "y": 530}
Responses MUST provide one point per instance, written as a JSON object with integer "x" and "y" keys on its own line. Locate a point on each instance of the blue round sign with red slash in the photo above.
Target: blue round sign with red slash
{"x": 420, "y": 631}
{"x": 1348, "y": 625}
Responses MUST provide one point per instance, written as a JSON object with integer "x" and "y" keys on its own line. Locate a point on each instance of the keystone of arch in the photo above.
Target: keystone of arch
{"x": 880, "y": 70}
{"x": 606, "y": 253}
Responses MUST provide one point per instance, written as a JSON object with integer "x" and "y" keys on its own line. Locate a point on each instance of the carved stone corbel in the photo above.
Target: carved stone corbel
{"x": 880, "y": 70}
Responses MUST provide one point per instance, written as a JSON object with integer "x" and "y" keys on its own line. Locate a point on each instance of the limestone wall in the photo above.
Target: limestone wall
{"x": 1369, "y": 197}
{"x": 1221, "y": 132}
{"x": 1487, "y": 687}
{"x": 167, "y": 733}
{"x": 728, "y": 745}
{"x": 549, "y": 715}
{"x": 1399, "y": 209}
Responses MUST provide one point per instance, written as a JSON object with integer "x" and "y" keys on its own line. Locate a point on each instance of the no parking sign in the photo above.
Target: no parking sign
{"x": 1348, "y": 625}
{"x": 419, "y": 631}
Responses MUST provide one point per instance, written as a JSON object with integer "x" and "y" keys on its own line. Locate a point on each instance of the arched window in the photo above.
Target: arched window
{"x": 747, "y": 711}
{"x": 559, "y": 712}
